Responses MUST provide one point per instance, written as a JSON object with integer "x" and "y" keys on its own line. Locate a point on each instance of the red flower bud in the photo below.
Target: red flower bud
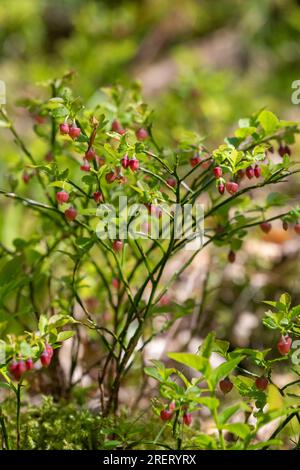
{"x": 90, "y": 154}
{"x": 71, "y": 213}
{"x": 297, "y": 228}
{"x": 249, "y": 172}
{"x": 64, "y": 128}
{"x": 284, "y": 345}
{"x": 171, "y": 182}
{"x": 117, "y": 127}
{"x": 266, "y": 227}
{"x": 194, "y": 161}
{"x": 166, "y": 415}
{"x": 26, "y": 177}
{"x": 134, "y": 164}
{"x": 62, "y": 197}
{"x": 285, "y": 225}
{"x": 225, "y": 385}
{"x": 187, "y": 419}
{"x": 221, "y": 188}
{"x": 142, "y": 134}
{"x": 29, "y": 364}
{"x": 110, "y": 177}
{"x": 261, "y": 383}
{"x": 117, "y": 245}
{"x": 217, "y": 171}
{"x": 232, "y": 187}
{"x": 125, "y": 161}
{"x": 45, "y": 359}
{"x": 86, "y": 166}
{"x": 98, "y": 197}
{"x": 257, "y": 171}
{"x": 74, "y": 131}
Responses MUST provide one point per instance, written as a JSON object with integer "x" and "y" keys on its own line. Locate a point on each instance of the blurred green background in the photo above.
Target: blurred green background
{"x": 202, "y": 64}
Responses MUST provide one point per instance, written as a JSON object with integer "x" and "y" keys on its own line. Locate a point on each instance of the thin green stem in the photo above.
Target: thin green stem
{"x": 220, "y": 433}
{"x": 163, "y": 164}
{"x": 24, "y": 149}
{"x": 18, "y": 420}
{"x": 5, "y": 440}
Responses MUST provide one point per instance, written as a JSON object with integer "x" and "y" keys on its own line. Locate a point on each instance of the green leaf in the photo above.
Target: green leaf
{"x": 82, "y": 138}
{"x": 88, "y": 179}
{"x": 269, "y": 302}
{"x": 63, "y": 175}
{"x": 270, "y": 323}
{"x": 286, "y": 300}
{"x": 137, "y": 189}
{"x": 235, "y": 141}
{"x": 211, "y": 402}
{"x": 154, "y": 373}
{"x": 42, "y": 324}
{"x": 54, "y": 103}
{"x": 111, "y": 444}
{"x": 236, "y": 244}
{"x": 259, "y": 150}
{"x": 84, "y": 244}
{"x": 59, "y": 320}
{"x": 284, "y": 322}
{"x": 261, "y": 445}
{"x": 110, "y": 151}
{"x": 25, "y": 349}
{"x": 295, "y": 311}
{"x": 64, "y": 335}
{"x": 244, "y": 122}
{"x": 20, "y": 244}
{"x": 245, "y": 132}
{"x": 242, "y": 430}
{"x": 88, "y": 212}
{"x": 62, "y": 184}
{"x": 11, "y": 270}
{"x": 268, "y": 121}
{"x": 243, "y": 384}
{"x": 276, "y": 199}
{"x": 204, "y": 441}
{"x": 206, "y": 347}
{"x": 223, "y": 370}
{"x": 191, "y": 360}
{"x": 255, "y": 353}
{"x": 58, "y": 112}
{"x": 56, "y": 99}
{"x": 221, "y": 346}
{"x": 56, "y": 318}
{"x": 227, "y": 413}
